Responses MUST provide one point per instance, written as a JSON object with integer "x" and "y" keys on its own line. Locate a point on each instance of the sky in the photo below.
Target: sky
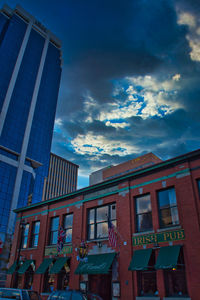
{"x": 130, "y": 80}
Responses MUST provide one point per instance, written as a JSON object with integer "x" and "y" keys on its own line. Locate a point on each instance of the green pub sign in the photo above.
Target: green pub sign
{"x": 54, "y": 251}
{"x": 160, "y": 237}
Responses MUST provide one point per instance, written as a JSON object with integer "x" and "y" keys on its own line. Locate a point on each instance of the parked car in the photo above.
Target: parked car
{"x": 72, "y": 295}
{"x": 67, "y": 295}
{"x": 18, "y": 294}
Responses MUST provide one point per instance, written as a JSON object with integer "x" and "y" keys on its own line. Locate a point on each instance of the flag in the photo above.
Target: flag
{"x": 112, "y": 236}
{"x": 61, "y": 237}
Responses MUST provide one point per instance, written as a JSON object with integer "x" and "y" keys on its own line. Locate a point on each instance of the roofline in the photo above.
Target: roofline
{"x": 64, "y": 159}
{"x": 119, "y": 179}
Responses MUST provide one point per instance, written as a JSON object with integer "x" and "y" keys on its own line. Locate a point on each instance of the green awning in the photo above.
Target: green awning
{"x": 12, "y": 269}
{"x": 57, "y": 266}
{"x": 167, "y": 257}
{"x": 97, "y": 264}
{"x": 44, "y": 266}
{"x": 25, "y": 266}
{"x": 140, "y": 260}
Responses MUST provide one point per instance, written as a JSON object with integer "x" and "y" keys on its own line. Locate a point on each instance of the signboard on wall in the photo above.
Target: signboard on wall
{"x": 54, "y": 251}
{"x": 160, "y": 237}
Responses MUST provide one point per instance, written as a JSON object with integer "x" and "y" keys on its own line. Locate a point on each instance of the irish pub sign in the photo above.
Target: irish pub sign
{"x": 159, "y": 237}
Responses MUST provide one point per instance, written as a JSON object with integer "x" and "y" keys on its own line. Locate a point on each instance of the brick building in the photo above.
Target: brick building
{"x": 156, "y": 211}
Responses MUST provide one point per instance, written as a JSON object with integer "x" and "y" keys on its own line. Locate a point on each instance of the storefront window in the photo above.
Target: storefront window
{"x": 35, "y": 234}
{"x": 63, "y": 277}
{"x": 143, "y": 213}
{"x": 98, "y": 221}
{"x": 68, "y": 221}
{"x": 175, "y": 281}
{"x": 48, "y": 282}
{"x": 29, "y": 278}
{"x": 147, "y": 285}
{"x": 24, "y": 238}
{"x": 168, "y": 210}
{"x": 54, "y": 230}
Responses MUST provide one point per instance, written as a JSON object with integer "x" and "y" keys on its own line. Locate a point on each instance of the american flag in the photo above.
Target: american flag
{"x": 61, "y": 237}
{"x": 112, "y": 236}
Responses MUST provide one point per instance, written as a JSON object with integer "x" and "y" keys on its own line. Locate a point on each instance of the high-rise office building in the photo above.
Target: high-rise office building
{"x": 30, "y": 70}
{"x": 62, "y": 177}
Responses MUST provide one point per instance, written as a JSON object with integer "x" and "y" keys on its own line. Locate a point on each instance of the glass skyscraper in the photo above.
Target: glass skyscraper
{"x": 30, "y": 70}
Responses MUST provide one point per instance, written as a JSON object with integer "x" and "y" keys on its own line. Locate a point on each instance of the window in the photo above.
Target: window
{"x": 98, "y": 221}
{"x": 198, "y": 184}
{"x": 168, "y": 210}
{"x": 68, "y": 221}
{"x": 143, "y": 213}
{"x": 54, "y": 230}
{"x": 24, "y": 238}
{"x": 175, "y": 281}
{"x": 35, "y": 234}
{"x": 147, "y": 279}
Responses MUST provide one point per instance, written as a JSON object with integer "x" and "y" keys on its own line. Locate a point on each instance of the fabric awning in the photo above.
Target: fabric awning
{"x": 97, "y": 264}
{"x": 12, "y": 269}
{"x": 57, "y": 266}
{"x": 167, "y": 257}
{"x": 140, "y": 260}
{"x": 25, "y": 266}
{"x": 44, "y": 266}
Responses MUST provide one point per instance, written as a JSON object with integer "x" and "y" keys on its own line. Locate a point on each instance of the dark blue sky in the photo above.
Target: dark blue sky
{"x": 131, "y": 78}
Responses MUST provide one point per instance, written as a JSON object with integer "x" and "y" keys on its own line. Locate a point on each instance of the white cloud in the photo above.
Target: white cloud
{"x": 99, "y": 145}
{"x": 193, "y": 37}
{"x": 185, "y": 18}
{"x": 117, "y": 124}
{"x": 176, "y": 77}
{"x": 58, "y": 122}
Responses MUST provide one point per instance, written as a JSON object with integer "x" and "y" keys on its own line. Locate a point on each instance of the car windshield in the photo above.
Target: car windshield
{"x": 9, "y": 294}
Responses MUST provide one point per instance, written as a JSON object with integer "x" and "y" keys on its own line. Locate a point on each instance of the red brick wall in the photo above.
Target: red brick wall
{"x": 139, "y": 162}
{"x": 188, "y": 202}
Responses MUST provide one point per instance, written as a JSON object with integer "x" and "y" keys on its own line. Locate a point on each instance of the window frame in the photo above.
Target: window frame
{"x": 51, "y": 232}
{"x": 113, "y": 220}
{"x": 169, "y": 207}
{"x": 33, "y": 235}
{"x": 66, "y": 228}
{"x": 138, "y": 230}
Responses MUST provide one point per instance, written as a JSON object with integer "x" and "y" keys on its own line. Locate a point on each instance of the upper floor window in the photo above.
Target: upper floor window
{"x": 24, "y": 238}
{"x": 198, "y": 184}
{"x": 168, "y": 211}
{"x": 68, "y": 221}
{"x": 54, "y": 230}
{"x": 35, "y": 234}
{"x": 98, "y": 221}
{"x": 143, "y": 213}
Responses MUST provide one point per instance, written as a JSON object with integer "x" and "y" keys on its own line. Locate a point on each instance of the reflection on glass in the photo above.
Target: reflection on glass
{"x": 168, "y": 208}
{"x": 144, "y": 222}
{"x": 91, "y": 216}
{"x": 143, "y": 204}
{"x": 143, "y": 213}
{"x": 113, "y": 212}
{"x": 102, "y": 213}
{"x": 102, "y": 230}
{"x": 91, "y": 232}
{"x": 68, "y": 237}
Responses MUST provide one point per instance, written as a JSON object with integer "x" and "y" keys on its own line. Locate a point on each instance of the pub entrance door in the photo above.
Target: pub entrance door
{"x": 100, "y": 284}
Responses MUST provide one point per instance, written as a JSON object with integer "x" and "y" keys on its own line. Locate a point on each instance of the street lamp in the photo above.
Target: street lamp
{"x": 21, "y": 226}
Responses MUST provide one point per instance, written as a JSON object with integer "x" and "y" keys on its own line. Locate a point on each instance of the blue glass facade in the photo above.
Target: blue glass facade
{"x": 30, "y": 59}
